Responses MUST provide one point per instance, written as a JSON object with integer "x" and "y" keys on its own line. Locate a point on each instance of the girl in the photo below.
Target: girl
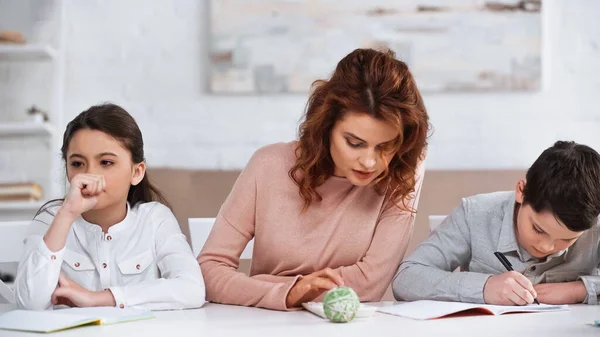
{"x": 110, "y": 242}
{"x": 335, "y": 207}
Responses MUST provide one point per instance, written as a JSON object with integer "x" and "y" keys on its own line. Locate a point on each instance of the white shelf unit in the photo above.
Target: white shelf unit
{"x": 21, "y": 206}
{"x": 47, "y": 132}
{"x": 27, "y": 129}
{"x": 19, "y": 210}
{"x": 26, "y": 53}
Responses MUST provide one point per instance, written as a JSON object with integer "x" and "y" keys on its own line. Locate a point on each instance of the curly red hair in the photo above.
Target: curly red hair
{"x": 375, "y": 83}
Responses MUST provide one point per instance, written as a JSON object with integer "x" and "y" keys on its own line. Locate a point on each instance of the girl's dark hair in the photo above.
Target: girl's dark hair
{"x": 119, "y": 124}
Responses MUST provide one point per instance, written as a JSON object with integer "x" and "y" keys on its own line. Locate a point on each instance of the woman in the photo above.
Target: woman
{"x": 335, "y": 207}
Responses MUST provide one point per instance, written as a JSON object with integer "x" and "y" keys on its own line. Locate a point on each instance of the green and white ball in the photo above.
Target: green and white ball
{"x": 341, "y": 304}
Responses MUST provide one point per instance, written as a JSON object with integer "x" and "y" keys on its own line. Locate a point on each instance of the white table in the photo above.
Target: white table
{"x": 223, "y": 320}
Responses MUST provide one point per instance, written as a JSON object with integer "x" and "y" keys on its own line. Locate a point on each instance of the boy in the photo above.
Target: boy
{"x": 548, "y": 229}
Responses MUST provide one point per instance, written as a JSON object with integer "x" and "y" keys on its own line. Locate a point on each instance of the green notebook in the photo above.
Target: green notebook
{"x": 57, "y": 320}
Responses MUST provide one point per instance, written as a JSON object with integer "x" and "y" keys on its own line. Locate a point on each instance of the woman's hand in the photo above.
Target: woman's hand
{"x": 311, "y": 286}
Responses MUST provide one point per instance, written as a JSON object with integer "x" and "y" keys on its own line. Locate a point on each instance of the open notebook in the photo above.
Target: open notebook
{"x": 437, "y": 309}
{"x": 56, "y": 320}
{"x": 364, "y": 310}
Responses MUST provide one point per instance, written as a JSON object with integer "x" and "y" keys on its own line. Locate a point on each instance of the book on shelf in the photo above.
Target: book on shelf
{"x": 11, "y": 37}
{"x": 20, "y": 192}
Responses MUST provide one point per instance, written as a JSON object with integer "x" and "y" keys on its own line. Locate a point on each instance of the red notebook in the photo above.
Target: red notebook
{"x": 437, "y": 309}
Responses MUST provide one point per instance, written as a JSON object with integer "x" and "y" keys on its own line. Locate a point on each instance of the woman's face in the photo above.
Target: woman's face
{"x": 361, "y": 147}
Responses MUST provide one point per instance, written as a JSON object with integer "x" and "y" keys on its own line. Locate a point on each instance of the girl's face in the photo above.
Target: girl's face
{"x": 95, "y": 152}
{"x": 360, "y": 147}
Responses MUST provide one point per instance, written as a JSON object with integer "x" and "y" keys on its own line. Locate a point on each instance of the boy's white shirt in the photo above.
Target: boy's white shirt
{"x": 144, "y": 260}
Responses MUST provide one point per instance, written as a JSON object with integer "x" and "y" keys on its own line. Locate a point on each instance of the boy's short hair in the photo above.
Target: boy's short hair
{"x": 565, "y": 180}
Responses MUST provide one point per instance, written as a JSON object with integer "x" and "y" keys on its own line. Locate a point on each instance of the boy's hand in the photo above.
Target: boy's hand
{"x": 510, "y": 288}
{"x": 561, "y": 293}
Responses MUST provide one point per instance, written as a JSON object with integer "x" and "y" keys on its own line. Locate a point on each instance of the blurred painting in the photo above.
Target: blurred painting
{"x": 282, "y": 46}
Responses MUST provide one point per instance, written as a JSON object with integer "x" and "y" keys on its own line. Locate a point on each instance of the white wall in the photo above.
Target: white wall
{"x": 151, "y": 57}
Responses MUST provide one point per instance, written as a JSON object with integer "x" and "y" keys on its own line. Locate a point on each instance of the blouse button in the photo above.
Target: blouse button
{"x": 104, "y": 265}
{"x": 121, "y": 306}
{"x": 137, "y": 266}
{"x": 109, "y": 238}
{"x": 77, "y": 264}
{"x": 53, "y": 257}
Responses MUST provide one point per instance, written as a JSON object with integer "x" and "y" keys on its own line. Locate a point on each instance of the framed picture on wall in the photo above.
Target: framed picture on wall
{"x": 282, "y": 46}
